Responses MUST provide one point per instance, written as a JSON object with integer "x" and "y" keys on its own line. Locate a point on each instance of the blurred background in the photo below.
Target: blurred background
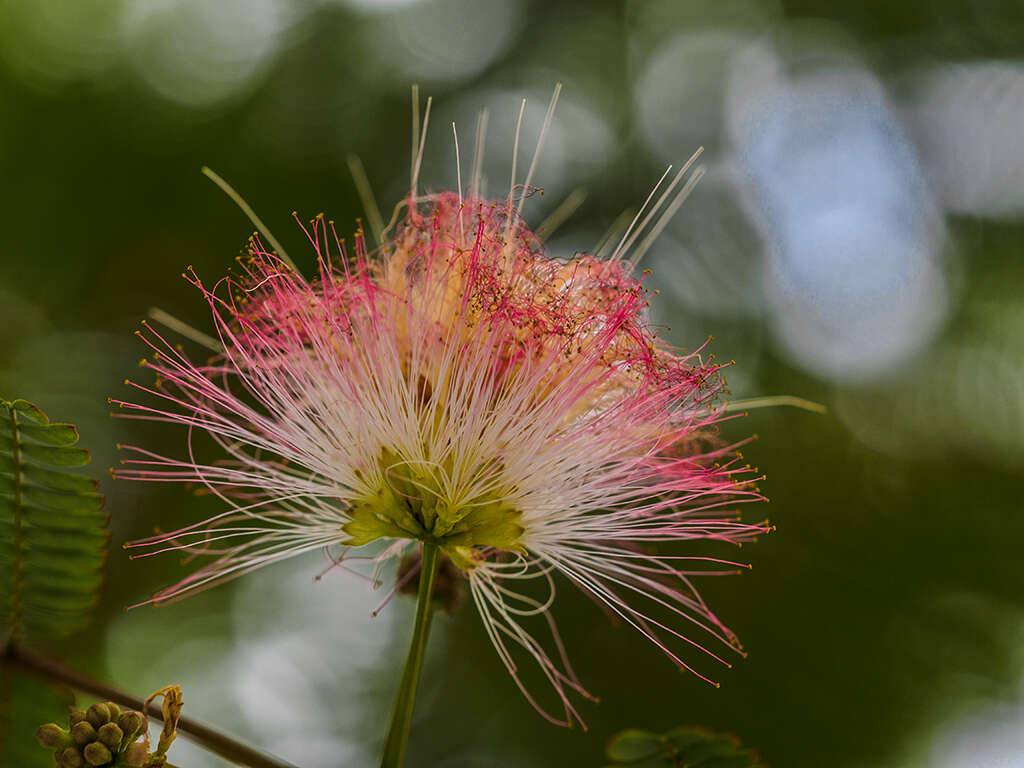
{"x": 856, "y": 241}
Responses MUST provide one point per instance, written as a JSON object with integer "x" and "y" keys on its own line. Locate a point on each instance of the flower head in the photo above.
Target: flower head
{"x": 456, "y": 386}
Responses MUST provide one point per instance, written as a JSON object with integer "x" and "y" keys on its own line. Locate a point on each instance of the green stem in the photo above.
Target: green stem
{"x": 398, "y": 733}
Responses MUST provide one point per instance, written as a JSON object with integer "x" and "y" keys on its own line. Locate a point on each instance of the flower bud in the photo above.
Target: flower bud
{"x": 83, "y": 733}
{"x": 70, "y": 758}
{"x": 97, "y": 715}
{"x": 131, "y": 723}
{"x": 114, "y": 710}
{"x": 449, "y": 583}
{"x": 97, "y": 754}
{"x": 110, "y": 735}
{"x": 76, "y": 716}
{"x": 53, "y": 736}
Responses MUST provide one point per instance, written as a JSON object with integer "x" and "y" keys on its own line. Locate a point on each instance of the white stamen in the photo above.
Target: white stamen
{"x": 540, "y": 145}
{"x": 616, "y": 230}
{"x": 478, "y": 154}
{"x": 419, "y": 152}
{"x": 458, "y": 176}
{"x": 251, "y": 214}
{"x": 186, "y": 330}
{"x": 515, "y": 160}
{"x": 657, "y": 206}
{"x": 567, "y": 208}
{"x": 666, "y": 217}
{"x": 415, "y": 136}
{"x": 618, "y": 248}
{"x": 771, "y": 402}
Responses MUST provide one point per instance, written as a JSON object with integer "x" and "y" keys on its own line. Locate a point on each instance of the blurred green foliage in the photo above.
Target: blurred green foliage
{"x": 682, "y": 747}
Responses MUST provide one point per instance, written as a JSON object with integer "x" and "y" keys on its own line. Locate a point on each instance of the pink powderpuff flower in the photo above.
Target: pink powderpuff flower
{"x": 457, "y": 386}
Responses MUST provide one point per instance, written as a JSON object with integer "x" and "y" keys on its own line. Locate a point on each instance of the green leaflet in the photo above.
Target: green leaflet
{"x": 53, "y": 532}
{"x": 682, "y": 747}
{"x": 633, "y": 745}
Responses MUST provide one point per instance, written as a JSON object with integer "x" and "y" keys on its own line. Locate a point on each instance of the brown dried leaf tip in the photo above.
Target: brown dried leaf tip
{"x": 171, "y": 707}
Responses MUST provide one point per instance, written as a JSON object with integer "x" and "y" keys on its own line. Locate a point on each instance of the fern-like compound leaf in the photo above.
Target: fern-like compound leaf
{"x": 53, "y": 531}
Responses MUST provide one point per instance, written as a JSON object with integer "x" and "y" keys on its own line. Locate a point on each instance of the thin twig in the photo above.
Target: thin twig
{"x": 219, "y": 743}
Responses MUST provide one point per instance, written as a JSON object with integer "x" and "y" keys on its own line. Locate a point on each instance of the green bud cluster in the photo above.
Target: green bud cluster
{"x": 100, "y": 737}
{"x": 410, "y": 503}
